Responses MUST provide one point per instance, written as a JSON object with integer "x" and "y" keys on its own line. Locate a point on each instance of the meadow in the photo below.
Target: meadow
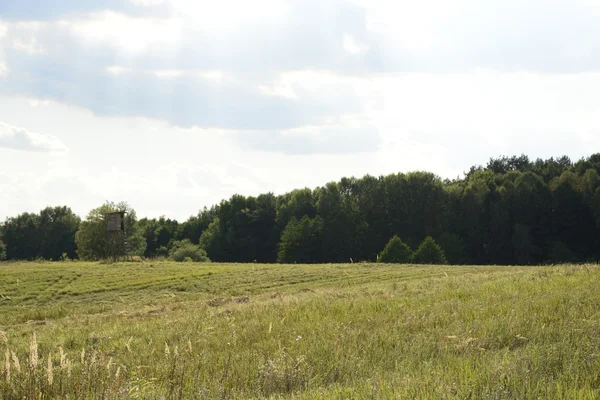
{"x": 164, "y": 330}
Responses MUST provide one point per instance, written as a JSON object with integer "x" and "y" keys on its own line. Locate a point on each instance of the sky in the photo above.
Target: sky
{"x": 173, "y": 105}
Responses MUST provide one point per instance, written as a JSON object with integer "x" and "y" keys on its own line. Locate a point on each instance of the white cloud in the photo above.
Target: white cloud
{"x": 129, "y": 34}
{"x": 279, "y": 89}
{"x": 352, "y": 46}
{"x": 168, "y": 73}
{"x": 325, "y": 89}
{"x": 117, "y": 70}
{"x": 16, "y": 138}
{"x": 33, "y": 102}
{"x": 326, "y": 139}
{"x": 29, "y": 46}
{"x": 147, "y": 3}
{"x": 230, "y": 15}
{"x": 215, "y": 76}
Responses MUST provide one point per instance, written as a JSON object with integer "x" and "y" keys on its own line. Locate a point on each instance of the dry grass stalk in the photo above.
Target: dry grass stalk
{"x": 7, "y": 365}
{"x": 128, "y": 344}
{"x": 49, "y": 371}
{"x": 189, "y": 346}
{"x": 167, "y": 350}
{"x": 33, "y": 353}
{"x": 16, "y": 362}
{"x": 109, "y": 365}
{"x": 83, "y": 356}
{"x": 63, "y": 358}
{"x": 3, "y": 337}
{"x": 118, "y": 372}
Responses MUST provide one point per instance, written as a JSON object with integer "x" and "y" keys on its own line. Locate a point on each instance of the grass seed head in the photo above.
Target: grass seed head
{"x": 167, "y": 350}
{"x": 33, "y": 353}
{"x": 49, "y": 372}
{"x": 63, "y": 358}
{"x": 16, "y": 362}
{"x": 7, "y": 365}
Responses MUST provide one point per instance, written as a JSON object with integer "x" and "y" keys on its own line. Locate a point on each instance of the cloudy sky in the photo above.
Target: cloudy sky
{"x": 172, "y": 105}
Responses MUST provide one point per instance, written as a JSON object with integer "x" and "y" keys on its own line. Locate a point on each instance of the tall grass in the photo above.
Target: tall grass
{"x": 329, "y": 331}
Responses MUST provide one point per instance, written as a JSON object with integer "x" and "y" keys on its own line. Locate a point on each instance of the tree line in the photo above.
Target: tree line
{"x": 510, "y": 211}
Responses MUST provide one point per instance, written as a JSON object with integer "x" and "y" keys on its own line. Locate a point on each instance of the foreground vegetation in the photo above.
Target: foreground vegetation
{"x": 185, "y": 330}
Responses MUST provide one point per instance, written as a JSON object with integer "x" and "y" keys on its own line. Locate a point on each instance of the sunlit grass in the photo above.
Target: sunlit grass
{"x": 179, "y": 330}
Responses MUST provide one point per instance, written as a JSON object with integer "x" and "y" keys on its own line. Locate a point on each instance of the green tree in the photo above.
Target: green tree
{"x": 57, "y": 229}
{"x": 524, "y": 249}
{"x": 48, "y": 235}
{"x": 373, "y": 230}
{"x": 573, "y": 216}
{"x": 473, "y": 214}
{"x": 395, "y": 251}
{"x": 22, "y": 237}
{"x": 2, "y": 251}
{"x": 212, "y": 239}
{"x": 532, "y": 211}
{"x": 560, "y": 253}
{"x": 297, "y": 203}
{"x": 92, "y": 240}
{"x": 263, "y": 227}
{"x": 159, "y": 233}
{"x": 453, "y": 247}
{"x": 338, "y": 212}
{"x": 429, "y": 252}
{"x": 498, "y": 249}
{"x": 184, "y": 250}
{"x": 192, "y": 228}
{"x": 301, "y": 241}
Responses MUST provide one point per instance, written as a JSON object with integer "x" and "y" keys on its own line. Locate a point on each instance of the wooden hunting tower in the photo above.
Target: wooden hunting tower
{"x": 116, "y": 238}
{"x": 115, "y": 221}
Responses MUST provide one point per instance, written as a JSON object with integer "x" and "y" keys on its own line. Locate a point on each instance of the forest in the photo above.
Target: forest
{"x": 511, "y": 211}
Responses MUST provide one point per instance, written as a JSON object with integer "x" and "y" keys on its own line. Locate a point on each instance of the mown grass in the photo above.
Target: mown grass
{"x": 168, "y": 330}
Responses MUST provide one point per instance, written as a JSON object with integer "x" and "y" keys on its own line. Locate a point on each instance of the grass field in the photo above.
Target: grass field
{"x": 167, "y": 330}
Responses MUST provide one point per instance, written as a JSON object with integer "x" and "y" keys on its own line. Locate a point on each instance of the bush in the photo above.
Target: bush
{"x": 187, "y": 251}
{"x": 429, "y": 252}
{"x": 395, "y": 251}
{"x": 162, "y": 251}
{"x": 2, "y": 251}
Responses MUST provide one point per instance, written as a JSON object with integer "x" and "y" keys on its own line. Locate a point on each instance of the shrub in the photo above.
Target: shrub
{"x": 162, "y": 251}
{"x": 184, "y": 250}
{"x": 395, "y": 251}
{"x": 429, "y": 252}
